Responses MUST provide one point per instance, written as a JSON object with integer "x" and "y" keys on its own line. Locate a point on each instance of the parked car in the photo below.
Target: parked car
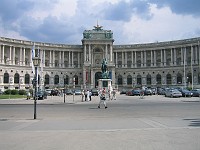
{"x": 195, "y": 92}
{"x": 147, "y": 92}
{"x": 186, "y": 93}
{"x": 94, "y": 92}
{"x": 40, "y": 95}
{"x": 48, "y": 91}
{"x": 54, "y": 93}
{"x": 129, "y": 93}
{"x": 173, "y": 93}
{"x": 68, "y": 92}
{"x": 77, "y": 92}
{"x": 136, "y": 92}
{"x": 123, "y": 91}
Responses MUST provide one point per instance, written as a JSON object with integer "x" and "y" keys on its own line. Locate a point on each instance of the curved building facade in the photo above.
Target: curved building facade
{"x": 161, "y": 64}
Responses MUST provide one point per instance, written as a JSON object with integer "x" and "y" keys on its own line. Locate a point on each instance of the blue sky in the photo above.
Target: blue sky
{"x": 132, "y": 21}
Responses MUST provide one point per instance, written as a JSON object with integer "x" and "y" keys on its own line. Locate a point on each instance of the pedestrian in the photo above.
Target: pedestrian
{"x": 102, "y": 95}
{"x": 83, "y": 95}
{"x": 114, "y": 95}
{"x": 88, "y": 95}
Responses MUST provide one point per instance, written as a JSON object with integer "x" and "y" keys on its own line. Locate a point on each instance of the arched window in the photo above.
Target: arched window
{"x": 179, "y": 78}
{"x": 66, "y": 80}
{"x": 199, "y": 78}
{"x": 16, "y": 78}
{"x": 120, "y": 80}
{"x": 56, "y": 79}
{"x": 189, "y": 78}
{"x": 158, "y": 79}
{"x": 169, "y": 79}
{"x": 27, "y": 79}
{"x": 46, "y": 80}
{"x": 129, "y": 80}
{"x": 139, "y": 79}
{"x": 6, "y": 78}
{"x": 76, "y": 79}
{"x": 148, "y": 79}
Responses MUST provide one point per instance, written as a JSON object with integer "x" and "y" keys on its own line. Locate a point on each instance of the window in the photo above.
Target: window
{"x": 46, "y": 80}
{"x": 169, "y": 79}
{"x": 119, "y": 80}
{"x": 139, "y": 79}
{"x": 129, "y": 80}
{"x": 6, "y": 78}
{"x": 148, "y": 79}
{"x": 179, "y": 78}
{"x": 158, "y": 79}
{"x": 27, "y": 79}
{"x": 56, "y": 79}
{"x": 16, "y": 78}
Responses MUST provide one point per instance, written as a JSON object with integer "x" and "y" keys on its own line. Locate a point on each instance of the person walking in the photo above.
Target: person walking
{"x": 88, "y": 95}
{"x": 114, "y": 95}
{"x": 83, "y": 95}
{"x": 102, "y": 94}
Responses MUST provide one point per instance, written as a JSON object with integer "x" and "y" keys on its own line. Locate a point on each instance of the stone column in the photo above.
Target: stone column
{"x": 85, "y": 53}
{"x": 13, "y": 61}
{"x": 132, "y": 59}
{"x": 89, "y": 53}
{"x": 142, "y": 59}
{"x": 172, "y": 61}
{"x": 60, "y": 60}
{"x": 50, "y": 59}
{"x": 44, "y": 58}
{"x": 152, "y": 62}
{"x": 3, "y": 51}
{"x": 164, "y": 57}
{"x": 135, "y": 59}
{"x": 196, "y": 54}
{"x": 191, "y": 54}
{"x": 116, "y": 61}
{"x": 145, "y": 58}
{"x": 161, "y": 58}
{"x": 91, "y": 78}
{"x": 125, "y": 59}
{"x": 63, "y": 59}
{"x": 182, "y": 55}
{"x": 175, "y": 59}
{"x": 53, "y": 58}
{"x": 0, "y": 54}
{"x": 10, "y": 56}
{"x": 84, "y": 78}
{"x": 154, "y": 58}
{"x": 69, "y": 64}
{"x": 106, "y": 54}
{"x": 111, "y": 52}
{"x": 122, "y": 59}
{"x": 72, "y": 60}
{"x": 24, "y": 56}
{"x": 78, "y": 60}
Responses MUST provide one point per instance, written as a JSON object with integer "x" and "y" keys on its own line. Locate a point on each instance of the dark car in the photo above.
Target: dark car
{"x": 195, "y": 92}
{"x": 40, "y": 95}
{"x": 186, "y": 93}
{"x": 54, "y": 93}
{"x": 94, "y": 92}
{"x": 68, "y": 92}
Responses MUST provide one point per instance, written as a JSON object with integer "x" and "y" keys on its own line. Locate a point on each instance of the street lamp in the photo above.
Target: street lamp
{"x": 65, "y": 80}
{"x": 73, "y": 88}
{"x": 36, "y": 63}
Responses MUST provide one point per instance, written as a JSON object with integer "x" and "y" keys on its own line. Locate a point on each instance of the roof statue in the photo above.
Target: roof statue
{"x": 97, "y": 27}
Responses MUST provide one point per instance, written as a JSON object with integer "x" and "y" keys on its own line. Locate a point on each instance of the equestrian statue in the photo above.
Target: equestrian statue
{"x": 105, "y": 74}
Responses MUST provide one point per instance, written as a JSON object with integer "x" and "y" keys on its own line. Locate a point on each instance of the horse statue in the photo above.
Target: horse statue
{"x": 104, "y": 69}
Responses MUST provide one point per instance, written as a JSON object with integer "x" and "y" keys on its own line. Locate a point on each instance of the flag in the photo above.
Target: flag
{"x": 32, "y": 56}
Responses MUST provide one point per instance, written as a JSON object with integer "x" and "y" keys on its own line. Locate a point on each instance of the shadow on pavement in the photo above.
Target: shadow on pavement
{"x": 194, "y": 122}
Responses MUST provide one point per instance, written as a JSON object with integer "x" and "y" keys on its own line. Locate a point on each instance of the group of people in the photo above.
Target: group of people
{"x": 87, "y": 95}
{"x": 103, "y": 95}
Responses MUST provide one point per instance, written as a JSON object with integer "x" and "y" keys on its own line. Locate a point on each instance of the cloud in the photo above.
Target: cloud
{"x": 183, "y": 7}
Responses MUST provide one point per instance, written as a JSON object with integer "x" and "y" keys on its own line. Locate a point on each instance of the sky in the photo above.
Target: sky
{"x": 132, "y": 21}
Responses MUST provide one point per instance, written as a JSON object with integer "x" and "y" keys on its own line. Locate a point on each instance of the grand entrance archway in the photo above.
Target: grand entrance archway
{"x": 97, "y": 77}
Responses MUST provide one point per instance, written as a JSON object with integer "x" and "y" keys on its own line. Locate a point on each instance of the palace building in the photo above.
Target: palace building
{"x": 160, "y": 64}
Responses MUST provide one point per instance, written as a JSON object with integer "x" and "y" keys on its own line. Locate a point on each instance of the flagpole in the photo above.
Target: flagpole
{"x": 192, "y": 64}
{"x": 184, "y": 67}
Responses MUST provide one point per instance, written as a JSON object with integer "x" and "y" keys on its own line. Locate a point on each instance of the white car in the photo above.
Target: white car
{"x": 173, "y": 93}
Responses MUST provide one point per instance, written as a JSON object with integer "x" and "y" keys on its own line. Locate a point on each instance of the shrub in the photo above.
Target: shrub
{"x": 7, "y": 92}
{"x": 14, "y": 92}
{"x": 22, "y": 92}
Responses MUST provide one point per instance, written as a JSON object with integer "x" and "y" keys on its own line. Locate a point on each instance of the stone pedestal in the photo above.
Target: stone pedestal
{"x": 105, "y": 83}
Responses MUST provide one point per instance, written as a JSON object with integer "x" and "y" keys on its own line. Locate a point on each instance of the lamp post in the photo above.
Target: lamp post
{"x": 36, "y": 63}
{"x": 74, "y": 88}
{"x": 65, "y": 78}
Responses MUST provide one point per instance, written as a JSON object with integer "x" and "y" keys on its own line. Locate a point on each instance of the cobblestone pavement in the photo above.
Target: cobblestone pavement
{"x": 131, "y": 123}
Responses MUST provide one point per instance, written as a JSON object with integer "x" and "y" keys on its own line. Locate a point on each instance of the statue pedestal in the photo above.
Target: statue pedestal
{"x": 105, "y": 83}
